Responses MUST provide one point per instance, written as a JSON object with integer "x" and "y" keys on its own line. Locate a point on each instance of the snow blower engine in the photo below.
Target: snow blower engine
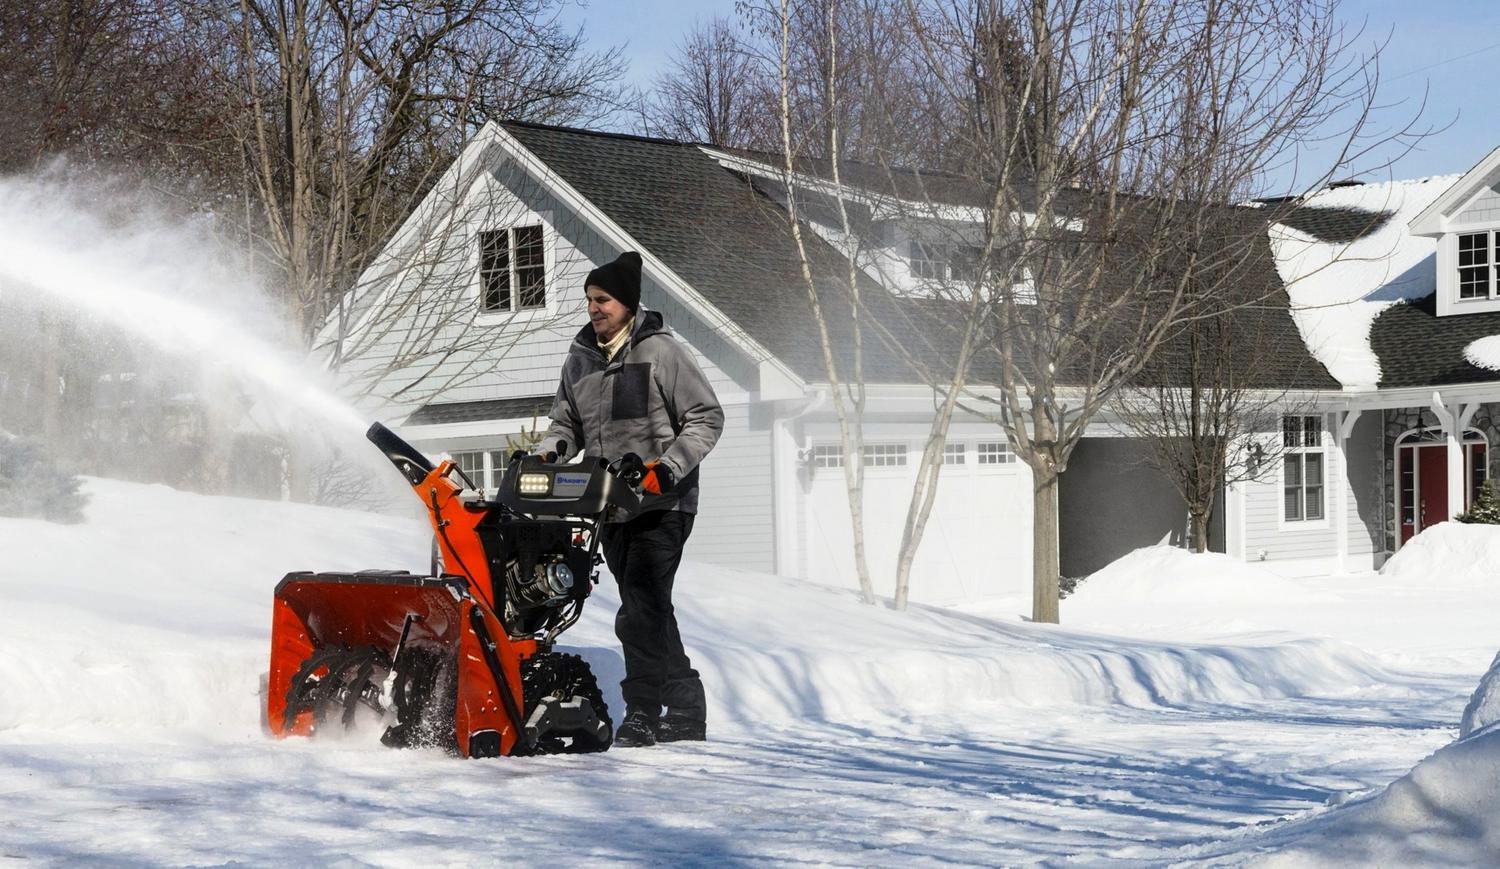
{"x": 461, "y": 660}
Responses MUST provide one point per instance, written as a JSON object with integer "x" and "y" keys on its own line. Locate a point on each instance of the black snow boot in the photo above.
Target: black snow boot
{"x": 679, "y": 728}
{"x": 638, "y": 730}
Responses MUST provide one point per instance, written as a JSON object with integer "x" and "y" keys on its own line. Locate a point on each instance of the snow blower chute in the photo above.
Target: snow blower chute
{"x": 463, "y": 659}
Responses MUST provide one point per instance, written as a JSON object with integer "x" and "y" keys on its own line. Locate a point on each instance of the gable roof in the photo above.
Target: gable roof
{"x": 728, "y": 238}
{"x": 1432, "y": 220}
{"x": 733, "y": 245}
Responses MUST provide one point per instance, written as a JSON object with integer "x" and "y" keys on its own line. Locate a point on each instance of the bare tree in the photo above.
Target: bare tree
{"x": 1202, "y": 402}
{"x": 354, "y": 106}
{"x": 104, "y": 85}
{"x": 1110, "y": 136}
{"x": 863, "y": 306}
{"x": 848, "y": 405}
{"x": 713, "y": 91}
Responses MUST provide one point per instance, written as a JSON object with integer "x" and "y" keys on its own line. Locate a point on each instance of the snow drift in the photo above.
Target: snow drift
{"x": 130, "y": 726}
{"x": 1450, "y": 553}
{"x": 1443, "y": 812}
{"x": 154, "y": 617}
{"x": 1484, "y": 706}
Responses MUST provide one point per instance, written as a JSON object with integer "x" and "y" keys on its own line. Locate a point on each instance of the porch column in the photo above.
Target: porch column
{"x": 1343, "y": 427}
{"x": 1455, "y": 419}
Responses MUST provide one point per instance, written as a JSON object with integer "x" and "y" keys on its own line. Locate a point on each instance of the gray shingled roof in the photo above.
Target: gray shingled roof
{"x": 732, "y": 243}
{"x": 473, "y": 411}
{"x": 1335, "y": 225}
{"x": 1417, "y": 348}
{"x": 728, "y": 241}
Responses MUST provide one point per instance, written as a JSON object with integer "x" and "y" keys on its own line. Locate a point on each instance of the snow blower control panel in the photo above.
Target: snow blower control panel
{"x": 537, "y": 487}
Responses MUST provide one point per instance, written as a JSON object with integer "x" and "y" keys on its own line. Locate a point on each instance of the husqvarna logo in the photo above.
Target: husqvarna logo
{"x": 569, "y": 485}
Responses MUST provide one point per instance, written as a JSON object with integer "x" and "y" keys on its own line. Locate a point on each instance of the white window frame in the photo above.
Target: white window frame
{"x": 984, "y": 457}
{"x": 934, "y": 260}
{"x": 1300, "y": 451}
{"x": 955, "y": 454}
{"x": 1491, "y": 266}
{"x": 826, "y": 457}
{"x": 885, "y": 457}
{"x": 480, "y": 237}
{"x": 1448, "y": 301}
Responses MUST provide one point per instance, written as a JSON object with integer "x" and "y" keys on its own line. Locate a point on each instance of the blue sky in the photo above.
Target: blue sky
{"x": 1444, "y": 51}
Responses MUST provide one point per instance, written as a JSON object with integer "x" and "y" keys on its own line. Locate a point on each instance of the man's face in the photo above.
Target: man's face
{"x": 606, "y": 313}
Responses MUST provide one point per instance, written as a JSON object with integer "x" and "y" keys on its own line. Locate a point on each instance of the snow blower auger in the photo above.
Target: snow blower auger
{"x": 462, "y": 660}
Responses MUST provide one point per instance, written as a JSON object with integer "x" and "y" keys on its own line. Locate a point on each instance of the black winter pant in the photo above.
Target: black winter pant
{"x": 643, "y": 554}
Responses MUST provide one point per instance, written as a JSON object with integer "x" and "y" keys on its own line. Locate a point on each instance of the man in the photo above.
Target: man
{"x": 630, "y": 386}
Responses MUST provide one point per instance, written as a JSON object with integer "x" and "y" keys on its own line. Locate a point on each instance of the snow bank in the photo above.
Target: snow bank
{"x": 1165, "y": 591}
{"x": 1442, "y": 813}
{"x": 155, "y": 613}
{"x": 154, "y": 616}
{"x": 1484, "y": 706}
{"x": 1451, "y": 553}
{"x": 1337, "y": 289}
{"x": 1165, "y": 575}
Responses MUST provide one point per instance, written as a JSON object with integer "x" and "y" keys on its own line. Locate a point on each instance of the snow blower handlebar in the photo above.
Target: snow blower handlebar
{"x": 408, "y": 460}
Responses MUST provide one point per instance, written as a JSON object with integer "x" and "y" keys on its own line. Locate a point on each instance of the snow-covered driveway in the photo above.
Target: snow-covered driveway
{"x": 1116, "y": 784}
{"x": 840, "y": 734}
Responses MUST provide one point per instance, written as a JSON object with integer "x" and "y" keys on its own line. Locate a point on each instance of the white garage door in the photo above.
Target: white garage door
{"x": 977, "y": 542}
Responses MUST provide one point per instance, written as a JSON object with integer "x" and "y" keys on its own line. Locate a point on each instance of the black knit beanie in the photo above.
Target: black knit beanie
{"x": 621, "y": 279}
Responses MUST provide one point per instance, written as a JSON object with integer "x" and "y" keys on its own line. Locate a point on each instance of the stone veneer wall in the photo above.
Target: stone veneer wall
{"x": 1403, "y": 420}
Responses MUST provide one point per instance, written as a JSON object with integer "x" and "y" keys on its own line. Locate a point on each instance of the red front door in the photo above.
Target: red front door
{"x": 1424, "y": 500}
{"x": 1432, "y": 478}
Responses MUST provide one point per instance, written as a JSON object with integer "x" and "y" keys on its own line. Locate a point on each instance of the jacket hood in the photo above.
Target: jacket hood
{"x": 647, "y": 323}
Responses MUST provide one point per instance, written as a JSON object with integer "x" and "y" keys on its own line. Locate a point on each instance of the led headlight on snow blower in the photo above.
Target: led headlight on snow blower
{"x": 535, "y": 485}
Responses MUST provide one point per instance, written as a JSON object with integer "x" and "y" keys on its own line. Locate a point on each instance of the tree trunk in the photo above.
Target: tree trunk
{"x": 1199, "y": 531}
{"x": 50, "y": 344}
{"x": 1044, "y": 557}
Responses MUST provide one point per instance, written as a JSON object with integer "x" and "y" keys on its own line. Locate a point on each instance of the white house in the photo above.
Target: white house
{"x": 534, "y": 208}
{"x": 1394, "y": 288}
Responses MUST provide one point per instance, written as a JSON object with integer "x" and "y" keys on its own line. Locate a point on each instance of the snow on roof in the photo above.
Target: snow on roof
{"x": 1484, "y": 353}
{"x": 1338, "y": 288}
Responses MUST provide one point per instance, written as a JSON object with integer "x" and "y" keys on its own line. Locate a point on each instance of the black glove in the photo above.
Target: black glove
{"x": 631, "y": 468}
{"x": 659, "y": 478}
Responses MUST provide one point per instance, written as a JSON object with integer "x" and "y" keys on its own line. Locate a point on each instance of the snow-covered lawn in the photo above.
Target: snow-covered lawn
{"x": 1190, "y": 709}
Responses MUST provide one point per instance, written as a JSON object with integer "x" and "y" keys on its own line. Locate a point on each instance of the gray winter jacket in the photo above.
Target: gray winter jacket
{"x": 652, "y": 399}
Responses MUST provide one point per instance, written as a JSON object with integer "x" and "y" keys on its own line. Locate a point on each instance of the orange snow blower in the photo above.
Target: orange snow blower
{"x": 463, "y": 659}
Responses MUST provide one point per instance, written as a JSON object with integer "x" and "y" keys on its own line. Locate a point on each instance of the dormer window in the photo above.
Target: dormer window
{"x": 1478, "y": 258}
{"x": 512, "y": 269}
{"x": 935, "y": 261}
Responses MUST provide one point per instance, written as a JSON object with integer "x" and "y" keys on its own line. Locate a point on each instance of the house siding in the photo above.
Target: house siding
{"x": 521, "y": 354}
{"x": 735, "y": 525}
{"x": 1484, "y": 209}
{"x": 526, "y": 352}
{"x": 1267, "y": 537}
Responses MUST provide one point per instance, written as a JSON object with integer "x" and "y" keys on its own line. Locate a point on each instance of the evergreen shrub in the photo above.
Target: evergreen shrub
{"x": 1486, "y": 507}
{"x": 33, "y": 486}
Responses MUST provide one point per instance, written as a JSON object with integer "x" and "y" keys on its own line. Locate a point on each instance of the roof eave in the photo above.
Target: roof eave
{"x": 1432, "y": 221}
